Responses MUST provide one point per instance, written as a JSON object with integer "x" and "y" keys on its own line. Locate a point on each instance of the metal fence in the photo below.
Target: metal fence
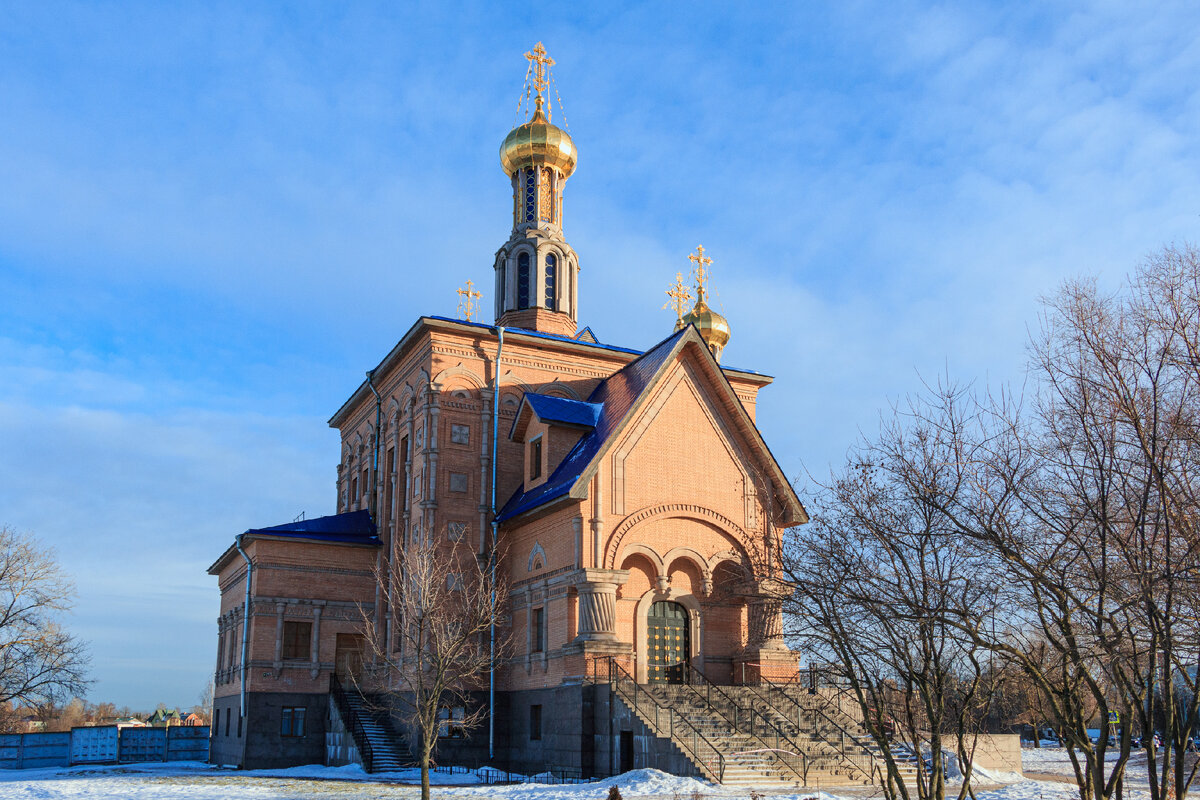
{"x": 105, "y": 744}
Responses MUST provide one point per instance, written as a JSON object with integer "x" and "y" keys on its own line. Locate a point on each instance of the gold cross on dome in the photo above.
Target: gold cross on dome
{"x": 467, "y": 306}
{"x": 541, "y": 67}
{"x": 680, "y": 297}
{"x": 700, "y": 268}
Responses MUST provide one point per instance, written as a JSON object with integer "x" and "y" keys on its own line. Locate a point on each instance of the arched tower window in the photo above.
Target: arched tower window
{"x": 546, "y": 201}
{"x": 551, "y": 282}
{"x": 523, "y": 280}
{"x": 530, "y": 195}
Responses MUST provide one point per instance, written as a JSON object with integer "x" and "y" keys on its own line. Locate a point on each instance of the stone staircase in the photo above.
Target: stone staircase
{"x": 758, "y": 735}
{"x": 380, "y": 747}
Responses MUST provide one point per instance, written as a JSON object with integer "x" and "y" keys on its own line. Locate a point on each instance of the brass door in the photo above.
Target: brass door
{"x": 667, "y": 643}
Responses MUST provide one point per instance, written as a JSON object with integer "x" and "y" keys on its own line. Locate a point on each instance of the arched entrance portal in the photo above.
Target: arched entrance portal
{"x": 668, "y": 642}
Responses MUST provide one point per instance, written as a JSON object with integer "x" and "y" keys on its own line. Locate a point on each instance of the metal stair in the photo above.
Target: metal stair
{"x": 757, "y": 734}
{"x": 380, "y": 746}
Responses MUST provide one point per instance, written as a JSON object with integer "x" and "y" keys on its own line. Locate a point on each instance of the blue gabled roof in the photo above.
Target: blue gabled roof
{"x": 353, "y": 527}
{"x": 615, "y": 396}
{"x": 561, "y": 409}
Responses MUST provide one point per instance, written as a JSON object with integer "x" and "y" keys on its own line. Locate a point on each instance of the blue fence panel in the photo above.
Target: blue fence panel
{"x": 98, "y": 745}
{"x": 143, "y": 744}
{"x": 187, "y": 743}
{"x": 10, "y": 750}
{"x": 45, "y": 750}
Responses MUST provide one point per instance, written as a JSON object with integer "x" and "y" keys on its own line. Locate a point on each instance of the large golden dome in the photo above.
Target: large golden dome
{"x": 538, "y": 142}
{"x": 713, "y": 328}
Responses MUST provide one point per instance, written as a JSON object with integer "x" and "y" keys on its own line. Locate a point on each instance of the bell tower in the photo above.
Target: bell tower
{"x": 537, "y": 272}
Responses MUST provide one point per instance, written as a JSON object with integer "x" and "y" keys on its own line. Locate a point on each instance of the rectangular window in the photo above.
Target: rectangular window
{"x": 457, "y": 531}
{"x": 216, "y": 726}
{"x": 535, "y": 459}
{"x": 291, "y": 722}
{"x": 458, "y": 482}
{"x": 538, "y": 634}
{"x": 450, "y": 722}
{"x": 297, "y": 641}
{"x": 535, "y": 723}
{"x": 460, "y": 434}
{"x": 402, "y": 474}
{"x": 239, "y": 724}
{"x": 227, "y": 716}
{"x": 354, "y": 490}
{"x": 454, "y": 582}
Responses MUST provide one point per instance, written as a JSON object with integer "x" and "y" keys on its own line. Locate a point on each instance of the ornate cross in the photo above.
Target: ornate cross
{"x": 680, "y": 297}
{"x": 466, "y": 301}
{"x": 541, "y": 64}
{"x": 700, "y": 268}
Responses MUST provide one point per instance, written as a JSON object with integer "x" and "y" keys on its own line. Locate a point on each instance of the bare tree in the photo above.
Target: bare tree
{"x": 39, "y": 660}
{"x": 446, "y": 603}
{"x": 896, "y": 597}
{"x": 1120, "y": 408}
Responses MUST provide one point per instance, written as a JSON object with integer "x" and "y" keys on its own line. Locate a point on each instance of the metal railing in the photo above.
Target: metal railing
{"x": 849, "y": 747}
{"x": 352, "y": 722}
{"x": 664, "y": 720}
{"x": 778, "y": 746}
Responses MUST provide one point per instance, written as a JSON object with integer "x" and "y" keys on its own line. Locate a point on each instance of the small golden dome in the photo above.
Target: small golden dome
{"x": 713, "y": 328}
{"x": 539, "y": 142}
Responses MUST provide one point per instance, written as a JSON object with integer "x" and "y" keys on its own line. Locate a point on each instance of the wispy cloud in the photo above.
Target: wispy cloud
{"x": 214, "y": 219}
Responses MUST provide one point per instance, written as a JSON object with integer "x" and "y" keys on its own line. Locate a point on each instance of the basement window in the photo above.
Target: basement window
{"x": 450, "y": 722}
{"x": 291, "y": 722}
{"x": 535, "y": 723}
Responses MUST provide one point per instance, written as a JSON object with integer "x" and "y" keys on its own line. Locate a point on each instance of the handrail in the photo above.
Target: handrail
{"x": 844, "y": 733}
{"x": 756, "y": 731}
{"x": 617, "y": 676}
{"x": 352, "y": 722}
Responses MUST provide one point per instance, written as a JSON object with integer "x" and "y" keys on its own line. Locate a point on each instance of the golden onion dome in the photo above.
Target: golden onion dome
{"x": 539, "y": 142}
{"x": 713, "y": 327}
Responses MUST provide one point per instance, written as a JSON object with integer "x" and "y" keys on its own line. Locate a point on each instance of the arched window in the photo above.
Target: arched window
{"x": 523, "y": 280}
{"x": 551, "y": 282}
{"x": 530, "y": 194}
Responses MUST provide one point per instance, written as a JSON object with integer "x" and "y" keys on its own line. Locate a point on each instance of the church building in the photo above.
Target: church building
{"x": 638, "y": 510}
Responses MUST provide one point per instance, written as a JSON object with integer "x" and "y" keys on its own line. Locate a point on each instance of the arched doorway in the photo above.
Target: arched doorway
{"x": 668, "y": 643}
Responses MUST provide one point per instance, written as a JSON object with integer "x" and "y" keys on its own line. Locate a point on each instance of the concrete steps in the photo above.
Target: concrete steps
{"x": 389, "y": 750}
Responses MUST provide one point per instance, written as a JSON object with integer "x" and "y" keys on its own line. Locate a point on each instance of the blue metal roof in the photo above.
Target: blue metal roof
{"x": 615, "y": 395}
{"x": 560, "y": 409}
{"x": 353, "y": 527}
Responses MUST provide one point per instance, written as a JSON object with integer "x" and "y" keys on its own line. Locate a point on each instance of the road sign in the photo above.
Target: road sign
{"x": 1114, "y": 717}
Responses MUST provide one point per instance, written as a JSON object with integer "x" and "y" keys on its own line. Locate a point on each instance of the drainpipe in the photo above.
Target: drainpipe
{"x": 492, "y": 552}
{"x": 375, "y": 457}
{"x": 372, "y": 503}
{"x": 245, "y": 620}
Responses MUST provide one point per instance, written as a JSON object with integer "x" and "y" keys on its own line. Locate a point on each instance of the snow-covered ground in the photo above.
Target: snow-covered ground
{"x": 195, "y": 781}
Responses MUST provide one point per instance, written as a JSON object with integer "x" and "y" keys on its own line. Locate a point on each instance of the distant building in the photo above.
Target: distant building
{"x": 165, "y": 717}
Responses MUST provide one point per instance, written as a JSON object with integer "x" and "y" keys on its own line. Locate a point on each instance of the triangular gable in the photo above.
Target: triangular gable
{"x": 795, "y": 513}
{"x": 614, "y": 395}
{"x": 620, "y": 396}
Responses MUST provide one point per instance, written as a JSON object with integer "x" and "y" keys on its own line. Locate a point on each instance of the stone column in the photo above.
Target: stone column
{"x": 597, "y": 590}
{"x": 315, "y": 645}
{"x": 765, "y": 623}
{"x": 765, "y": 654}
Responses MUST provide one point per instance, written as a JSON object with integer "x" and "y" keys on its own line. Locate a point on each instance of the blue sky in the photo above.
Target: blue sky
{"x": 215, "y": 216}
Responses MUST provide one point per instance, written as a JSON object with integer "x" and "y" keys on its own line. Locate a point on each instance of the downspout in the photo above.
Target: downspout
{"x": 492, "y": 550}
{"x": 374, "y": 499}
{"x": 245, "y": 619}
{"x": 375, "y": 457}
